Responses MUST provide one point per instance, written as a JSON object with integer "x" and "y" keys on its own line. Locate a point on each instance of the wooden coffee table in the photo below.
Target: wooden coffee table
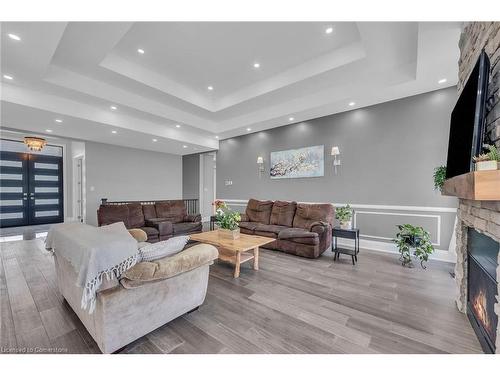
{"x": 234, "y": 251}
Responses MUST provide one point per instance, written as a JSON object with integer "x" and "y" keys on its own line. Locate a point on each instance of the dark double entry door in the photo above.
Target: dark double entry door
{"x": 31, "y": 189}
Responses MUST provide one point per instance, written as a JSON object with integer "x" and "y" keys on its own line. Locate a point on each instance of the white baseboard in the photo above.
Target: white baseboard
{"x": 388, "y": 247}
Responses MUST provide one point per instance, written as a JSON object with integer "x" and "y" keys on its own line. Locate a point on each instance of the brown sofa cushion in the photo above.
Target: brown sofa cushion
{"x": 299, "y": 235}
{"x": 149, "y": 211}
{"x": 306, "y": 214}
{"x": 151, "y": 232}
{"x": 247, "y": 225}
{"x": 174, "y": 211}
{"x": 109, "y": 214}
{"x": 187, "y": 227}
{"x": 135, "y": 215}
{"x": 282, "y": 213}
{"x": 259, "y": 211}
{"x": 270, "y": 228}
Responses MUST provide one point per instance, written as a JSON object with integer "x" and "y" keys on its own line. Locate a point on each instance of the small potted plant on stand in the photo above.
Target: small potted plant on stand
{"x": 416, "y": 238}
{"x": 227, "y": 221}
{"x": 344, "y": 216}
{"x": 489, "y": 161}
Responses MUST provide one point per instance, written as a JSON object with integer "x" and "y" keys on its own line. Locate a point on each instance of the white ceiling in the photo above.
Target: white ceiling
{"x": 75, "y": 71}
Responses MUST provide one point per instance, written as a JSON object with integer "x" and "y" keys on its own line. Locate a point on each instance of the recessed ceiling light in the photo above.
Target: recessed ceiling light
{"x": 442, "y": 80}
{"x": 59, "y": 120}
{"x": 329, "y": 30}
{"x": 114, "y": 131}
{"x": 351, "y": 104}
{"x": 177, "y": 126}
{"x": 113, "y": 108}
{"x": 210, "y": 88}
{"x": 48, "y": 130}
{"x": 6, "y": 76}
{"x": 184, "y": 146}
{"x": 216, "y": 137}
{"x": 249, "y": 129}
{"x": 256, "y": 65}
{"x": 14, "y": 36}
{"x": 291, "y": 118}
{"x": 155, "y": 140}
{"x": 141, "y": 51}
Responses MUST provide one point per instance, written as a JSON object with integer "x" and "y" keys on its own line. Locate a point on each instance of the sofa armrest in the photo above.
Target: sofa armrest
{"x": 319, "y": 227}
{"x": 193, "y": 218}
{"x": 165, "y": 227}
{"x": 244, "y": 217}
{"x": 165, "y": 268}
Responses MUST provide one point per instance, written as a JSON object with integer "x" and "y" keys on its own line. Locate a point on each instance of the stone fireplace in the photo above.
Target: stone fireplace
{"x": 481, "y": 217}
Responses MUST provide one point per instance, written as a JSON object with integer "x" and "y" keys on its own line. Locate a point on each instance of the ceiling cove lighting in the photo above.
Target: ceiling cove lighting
{"x": 442, "y": 80}
{"x": 256, "y": 65}
{"x": 14, "y": 37}
{"x": 114, "y": 131}
{"x": 141, "y": 51}
{"x": 210, "y": 88}
{"x": 58, "y": 120}
{"x": 351, "y": 104}
{"x": 329, "y": 30}
{"x": 113, "y": 108}
{"x": 6, "y": 76}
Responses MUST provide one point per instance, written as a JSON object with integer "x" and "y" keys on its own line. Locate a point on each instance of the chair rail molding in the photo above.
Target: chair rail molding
{"x": 384, "y": 243}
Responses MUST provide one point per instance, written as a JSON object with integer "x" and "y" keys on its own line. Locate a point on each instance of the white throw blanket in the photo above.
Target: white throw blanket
{"x": 93, "y": 252}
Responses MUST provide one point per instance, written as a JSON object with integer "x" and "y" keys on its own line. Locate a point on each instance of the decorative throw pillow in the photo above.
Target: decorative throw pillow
{"x": 163, "y": 249}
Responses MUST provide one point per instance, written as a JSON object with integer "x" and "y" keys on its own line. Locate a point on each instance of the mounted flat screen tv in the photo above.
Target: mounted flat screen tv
{"x": 467, "y": 120}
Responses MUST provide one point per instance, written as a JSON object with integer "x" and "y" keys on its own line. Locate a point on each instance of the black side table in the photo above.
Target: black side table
{"x": 212, "y": 222}
{"x": 352, "y": 234}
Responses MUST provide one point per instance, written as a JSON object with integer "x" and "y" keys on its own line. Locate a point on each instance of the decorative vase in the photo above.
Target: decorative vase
{"x": 346, "y": 224}
{"x": 229, "y": 234}
{"x": 487, "y": 165}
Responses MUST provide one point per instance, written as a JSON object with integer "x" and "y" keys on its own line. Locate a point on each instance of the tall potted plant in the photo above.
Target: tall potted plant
{"x": 416, "y": 238}
{"x": 344, "y": 216}
{"x": 227, "y": 220}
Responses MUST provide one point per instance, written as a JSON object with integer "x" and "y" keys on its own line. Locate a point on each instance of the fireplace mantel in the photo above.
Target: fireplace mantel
{"x": 478, "y": 186}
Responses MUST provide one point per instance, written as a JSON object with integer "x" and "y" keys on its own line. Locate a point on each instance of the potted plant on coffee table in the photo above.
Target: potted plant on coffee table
{"x": 344, "y": 216}
{"x": 412, "y": 237}
{"x": 227, "y": 220}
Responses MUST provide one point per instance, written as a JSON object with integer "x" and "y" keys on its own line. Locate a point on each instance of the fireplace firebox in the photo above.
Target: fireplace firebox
{"x": 482, "y": 287}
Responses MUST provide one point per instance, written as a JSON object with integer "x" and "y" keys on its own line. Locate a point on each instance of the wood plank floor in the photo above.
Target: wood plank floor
{"x": 291, "y": 305}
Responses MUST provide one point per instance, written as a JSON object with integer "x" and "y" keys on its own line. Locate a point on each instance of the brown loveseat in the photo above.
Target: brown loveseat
{"x": 160, "y": 220}
{"x": 299, "y": 228}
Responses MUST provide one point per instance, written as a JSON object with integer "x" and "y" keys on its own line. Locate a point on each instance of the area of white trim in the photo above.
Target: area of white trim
{"x": 378, "y": 243}
{"x": 437, "y": 217}
{"x": 388, "y": 247}
{"x": 241, "y": 202}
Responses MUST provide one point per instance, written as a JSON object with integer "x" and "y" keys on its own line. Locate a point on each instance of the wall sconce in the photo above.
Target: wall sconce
{"x": 335, "y": 154}
{"x": 260, "y": 163}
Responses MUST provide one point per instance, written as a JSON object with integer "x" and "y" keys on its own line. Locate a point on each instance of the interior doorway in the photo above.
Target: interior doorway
{"x": 208, "y": 171}
{"x": 31, "y": 185}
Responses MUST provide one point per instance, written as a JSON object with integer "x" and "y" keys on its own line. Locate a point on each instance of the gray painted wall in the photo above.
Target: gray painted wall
{"x": 388, "y": 153}
{"x": 121, "y": 173}
{"x": 191, "y": 176}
